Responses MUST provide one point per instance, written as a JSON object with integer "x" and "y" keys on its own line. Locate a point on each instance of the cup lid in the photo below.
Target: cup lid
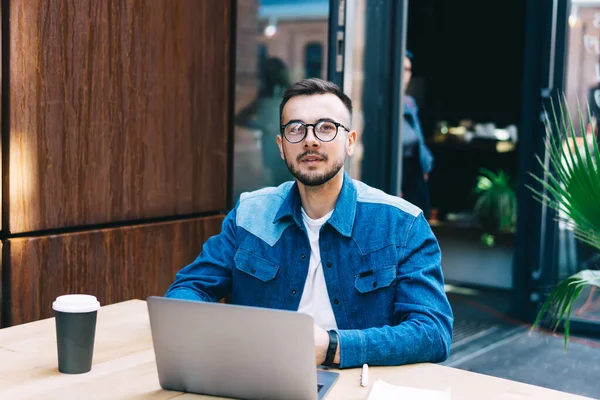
{"x": 76, "y": 303}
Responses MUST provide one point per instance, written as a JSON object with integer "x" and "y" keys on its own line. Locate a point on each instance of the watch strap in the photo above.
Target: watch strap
{"x": 331, "y": 349}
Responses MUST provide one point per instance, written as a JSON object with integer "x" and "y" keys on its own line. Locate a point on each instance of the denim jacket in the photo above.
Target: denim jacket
{"x": 380, "y": 259}
{"x": 411, "y": 110}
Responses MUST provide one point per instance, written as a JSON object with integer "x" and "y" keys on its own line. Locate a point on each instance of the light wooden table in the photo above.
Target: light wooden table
{"x": 124, "y": 367}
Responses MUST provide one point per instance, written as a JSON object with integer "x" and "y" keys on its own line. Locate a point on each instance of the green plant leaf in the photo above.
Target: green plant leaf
{"x": 496, "y": 200}
{"x": 571, "y": 186}
{"x": 559, "y": 303}
{"x": 571, "y": 183}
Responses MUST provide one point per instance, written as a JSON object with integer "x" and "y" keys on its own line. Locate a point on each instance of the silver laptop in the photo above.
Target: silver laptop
{"x": 235, "y": 351}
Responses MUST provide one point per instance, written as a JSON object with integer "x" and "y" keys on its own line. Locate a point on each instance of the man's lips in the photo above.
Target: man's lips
{"x": 311, "y": 159}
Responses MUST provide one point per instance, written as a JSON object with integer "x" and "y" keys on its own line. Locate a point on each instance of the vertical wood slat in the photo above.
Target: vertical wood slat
{"x": 2, "y": 278}
{"x": 113, "y": 264}
{"x": 118, "y": 110}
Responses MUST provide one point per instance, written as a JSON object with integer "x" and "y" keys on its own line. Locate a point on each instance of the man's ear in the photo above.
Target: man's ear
{"x": 350, "y": 142}
{"x": 280, "y": 144}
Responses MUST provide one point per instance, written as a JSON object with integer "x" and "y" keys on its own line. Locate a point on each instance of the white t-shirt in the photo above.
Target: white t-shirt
{"x": 315, "y": 298}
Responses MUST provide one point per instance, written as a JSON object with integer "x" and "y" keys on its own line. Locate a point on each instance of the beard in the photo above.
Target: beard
{"x": 314, "y": 179}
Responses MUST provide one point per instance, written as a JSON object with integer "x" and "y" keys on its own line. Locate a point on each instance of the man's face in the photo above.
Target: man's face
{"x": 407, "y": 72}
{"x": 311, "y": 161}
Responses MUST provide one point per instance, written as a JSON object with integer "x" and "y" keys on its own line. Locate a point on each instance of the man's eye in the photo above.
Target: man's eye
{"x": 296, "y": 129}
{"x": 326, "y": 127}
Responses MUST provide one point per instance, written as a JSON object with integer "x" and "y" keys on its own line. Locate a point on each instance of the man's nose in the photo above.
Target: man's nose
{"x": 311, "y": 139}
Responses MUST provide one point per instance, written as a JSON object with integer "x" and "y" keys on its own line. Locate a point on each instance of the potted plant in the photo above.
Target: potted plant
{"x": 572, "y": 188}
{"x": 496, "y": 205}
{"x": 479, "y": 249}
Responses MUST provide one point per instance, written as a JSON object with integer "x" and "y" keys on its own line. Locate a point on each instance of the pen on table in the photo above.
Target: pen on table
{"x": 364, "y": 376}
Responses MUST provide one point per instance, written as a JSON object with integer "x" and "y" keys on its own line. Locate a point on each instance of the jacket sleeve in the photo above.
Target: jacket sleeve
{"x": 422, "y": 330}
{"x": 208, "y": 278}
{"x": 426, "y": 158}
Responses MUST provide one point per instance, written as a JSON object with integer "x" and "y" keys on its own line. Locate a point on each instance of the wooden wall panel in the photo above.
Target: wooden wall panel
{"x": 113, "y": 264}
{"x": 1, "y": 284}
{"x": 118, "y": 110}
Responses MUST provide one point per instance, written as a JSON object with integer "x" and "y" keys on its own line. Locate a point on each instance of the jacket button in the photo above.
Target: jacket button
{"x": 303, "y": 256}
{"x": 253, "y": 270}
{"x": 336, "y": 302}
{"x": 293, "y": 292}
{"x": 328, "y": 264}
{"x": 374, "y": 284}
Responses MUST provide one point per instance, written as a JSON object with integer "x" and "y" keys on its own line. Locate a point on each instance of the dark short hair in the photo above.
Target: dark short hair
{"x": 313, "y": 86}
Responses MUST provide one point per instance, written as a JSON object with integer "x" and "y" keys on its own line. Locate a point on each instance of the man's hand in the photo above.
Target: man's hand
{"x": 321, "y": 343}
{"x": 426, "y": 177}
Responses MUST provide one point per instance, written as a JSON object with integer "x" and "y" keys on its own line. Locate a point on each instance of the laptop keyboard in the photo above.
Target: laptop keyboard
{"x": 319, "y": 387}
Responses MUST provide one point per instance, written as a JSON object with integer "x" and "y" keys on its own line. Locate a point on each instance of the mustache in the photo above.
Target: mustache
{"x": 313, "y": 153}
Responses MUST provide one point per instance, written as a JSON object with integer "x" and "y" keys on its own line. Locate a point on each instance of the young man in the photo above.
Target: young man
{"x": 364, "y": 264}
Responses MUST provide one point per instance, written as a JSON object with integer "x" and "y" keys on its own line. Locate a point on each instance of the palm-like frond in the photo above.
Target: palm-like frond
{"x": 560, "y": 302}
{"x": 571, "y": 186}
{"x": 573, "y": 177}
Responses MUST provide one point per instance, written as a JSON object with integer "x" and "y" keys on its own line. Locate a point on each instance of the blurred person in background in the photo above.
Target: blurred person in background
{"x": 263, "y": 115}
{"x": 417, "y": 160}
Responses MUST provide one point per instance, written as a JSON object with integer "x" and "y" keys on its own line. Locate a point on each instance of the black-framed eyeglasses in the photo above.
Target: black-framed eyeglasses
{"x": 325, "y": 130}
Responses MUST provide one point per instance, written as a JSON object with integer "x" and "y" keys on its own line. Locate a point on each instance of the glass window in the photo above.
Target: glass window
{"x": 582, "y": 85}
{"x": 278, "y": 42}
{"x": 583, "y": 61}
{"x": 354, "y": 77}
{"x": 313, "y": 58}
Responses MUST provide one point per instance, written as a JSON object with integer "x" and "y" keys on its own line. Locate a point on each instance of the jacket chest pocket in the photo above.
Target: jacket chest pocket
{"x": 375, "y": 279}
{"x": 255, "y": 266}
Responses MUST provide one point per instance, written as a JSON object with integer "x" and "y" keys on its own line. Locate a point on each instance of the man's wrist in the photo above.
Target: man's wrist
{"x": 337, "y": 359}
{"x": 332, "y": 349}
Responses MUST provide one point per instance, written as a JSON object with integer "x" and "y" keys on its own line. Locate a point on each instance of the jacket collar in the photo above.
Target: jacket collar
{"x": 343, "y": 215}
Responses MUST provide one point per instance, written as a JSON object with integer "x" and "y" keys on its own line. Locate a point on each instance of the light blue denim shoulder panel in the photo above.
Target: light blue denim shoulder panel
{"x": 367, "y": 194}
{"x": 257, "y": 210}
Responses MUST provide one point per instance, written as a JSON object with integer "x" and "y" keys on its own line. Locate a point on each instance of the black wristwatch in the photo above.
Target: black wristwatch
{"x": 331, "y": 350}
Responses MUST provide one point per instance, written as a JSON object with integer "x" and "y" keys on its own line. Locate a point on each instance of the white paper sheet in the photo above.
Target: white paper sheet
{"x": 384, "y": 391}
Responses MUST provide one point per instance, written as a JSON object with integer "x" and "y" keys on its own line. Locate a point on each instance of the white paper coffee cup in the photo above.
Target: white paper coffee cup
{"x": 76, "y": 303}
{"x": 75, "y": 316}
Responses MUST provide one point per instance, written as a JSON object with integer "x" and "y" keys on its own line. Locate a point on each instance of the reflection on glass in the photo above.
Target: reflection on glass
{"x": 278, "y": 42}
{"x": 262, "y": 116}
{"x": 583, "y": 86}
{"x": 314, "y": 60}
{"x": 354, "y": 77}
